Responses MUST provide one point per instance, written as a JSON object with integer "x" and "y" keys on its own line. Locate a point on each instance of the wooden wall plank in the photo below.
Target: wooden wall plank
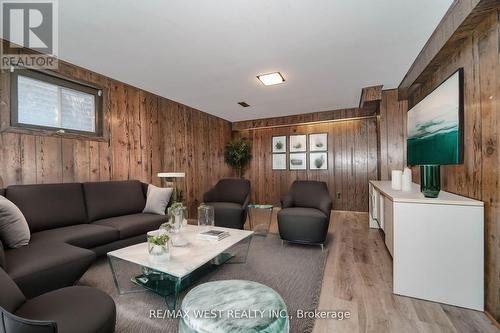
{"x": 120, "y": 132}
{"x": 94, "y": 161}
{"x": 372, "y": 163}
{"x": 488, "y": 49}
{"x": 155, "y": 139}
{"x": 11, "y": 169}
{"x": 134, "y": 134}
{"x": 105, "y": 161}
{"x": 392, "y": 133}
{"x": 48, "y": 160}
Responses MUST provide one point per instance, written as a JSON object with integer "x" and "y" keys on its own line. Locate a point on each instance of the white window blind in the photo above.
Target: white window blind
{"x": 49, "y": 105}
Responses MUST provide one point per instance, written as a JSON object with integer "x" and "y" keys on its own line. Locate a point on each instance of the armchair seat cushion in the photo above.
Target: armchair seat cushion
{"x": 134, "y": 224}
{"x": 81, "y": 235}
{"x": 303, "y": 225}
{"x": 301, "y": 212}
{"x": 74, "y": 309}
{"x": 228, "y": 214}
{"x": 43, "y": 266}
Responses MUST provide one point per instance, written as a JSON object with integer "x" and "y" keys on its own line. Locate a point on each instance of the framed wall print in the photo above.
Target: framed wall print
{"x": 279, "y": 161}
{"x": 318, "y": 142}
{"x": 318, "y": 161}
{"x": 279, "y": 144}
{"x": 298, "y": 143}
{"x": 298, "y": 161}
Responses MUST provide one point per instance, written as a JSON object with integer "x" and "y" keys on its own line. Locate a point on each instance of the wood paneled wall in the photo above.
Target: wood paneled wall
{"x": 392, "y": 134}
{"x": 479, "y": 176}
{"x": 147, "y": 134}
{"x": 352, "y": 161}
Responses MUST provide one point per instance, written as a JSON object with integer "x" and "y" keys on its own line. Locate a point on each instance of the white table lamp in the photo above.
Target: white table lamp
{"x": 170, "y": 181}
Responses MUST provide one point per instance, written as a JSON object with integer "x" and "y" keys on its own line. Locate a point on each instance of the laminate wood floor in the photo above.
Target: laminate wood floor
{"x": 358, "y": 279}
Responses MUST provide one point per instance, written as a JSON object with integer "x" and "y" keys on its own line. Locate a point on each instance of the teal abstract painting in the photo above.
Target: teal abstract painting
{"x": 434, "y": 129}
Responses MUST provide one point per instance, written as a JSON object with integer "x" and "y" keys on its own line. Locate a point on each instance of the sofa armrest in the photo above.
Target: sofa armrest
{"x": 286, "y": 201}
{"x": 210, "y": 195}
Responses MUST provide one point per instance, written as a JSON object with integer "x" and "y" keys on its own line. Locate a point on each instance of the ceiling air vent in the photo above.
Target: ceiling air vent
{"x": 244, "y": 104}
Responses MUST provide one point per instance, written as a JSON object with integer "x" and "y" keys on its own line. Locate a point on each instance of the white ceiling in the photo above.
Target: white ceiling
{"x": 206, "y": 53}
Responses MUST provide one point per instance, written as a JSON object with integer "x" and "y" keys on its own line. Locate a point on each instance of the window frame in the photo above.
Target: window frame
{"x": 61, "y": 82}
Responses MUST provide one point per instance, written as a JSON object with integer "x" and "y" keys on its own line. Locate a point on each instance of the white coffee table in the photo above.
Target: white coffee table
{"x": 134, "y": 271}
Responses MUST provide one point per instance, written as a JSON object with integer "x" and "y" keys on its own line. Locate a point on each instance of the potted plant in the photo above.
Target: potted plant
{"x": 177, "y": 213}
{"x": 238, "y": 154}
{"x": 158, "y": 245}
{"x": 159, "y": 242}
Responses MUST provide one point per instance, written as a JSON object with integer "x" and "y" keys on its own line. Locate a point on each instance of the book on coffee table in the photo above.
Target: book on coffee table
{"x": 213, "y": 234}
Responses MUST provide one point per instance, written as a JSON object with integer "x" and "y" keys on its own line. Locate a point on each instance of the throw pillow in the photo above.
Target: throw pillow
{"x": 157, "y": 199}
{"x": 14, "y": 230}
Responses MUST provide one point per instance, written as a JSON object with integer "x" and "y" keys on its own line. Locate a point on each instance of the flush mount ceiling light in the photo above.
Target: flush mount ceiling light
{"x": 271, "y": 78}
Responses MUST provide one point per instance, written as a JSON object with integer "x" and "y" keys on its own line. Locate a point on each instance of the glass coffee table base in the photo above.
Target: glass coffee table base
{"x": 168, "y": 286}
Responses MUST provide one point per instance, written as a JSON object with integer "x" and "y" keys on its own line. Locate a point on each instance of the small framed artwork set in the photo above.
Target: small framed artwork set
{"x": 299, "y": 150}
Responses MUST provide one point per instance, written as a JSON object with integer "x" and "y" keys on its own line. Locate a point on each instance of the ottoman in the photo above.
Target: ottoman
{"x": 233, "y": 306}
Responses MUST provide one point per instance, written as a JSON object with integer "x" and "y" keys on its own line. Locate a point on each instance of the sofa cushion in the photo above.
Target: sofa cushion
{"x": 49, "y": 206}
{"x": 14, "y": 230}
{"x": 12, "y": 297}
{"x": 134, "y": 224}
{"x": 228, "y": 214}
{"x": 43, "y": 266}
{"x": 81, "y": 235}
{"x": 114, "y": 198}
{"x": 74, "y": 309}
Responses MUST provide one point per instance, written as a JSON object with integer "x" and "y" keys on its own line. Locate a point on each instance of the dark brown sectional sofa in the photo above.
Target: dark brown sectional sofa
{"x": 70, "y": 225}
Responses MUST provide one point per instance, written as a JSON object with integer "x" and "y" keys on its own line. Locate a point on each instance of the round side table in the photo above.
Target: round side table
{"x": 260, "y": 218}
{"x": 233, "y": 306}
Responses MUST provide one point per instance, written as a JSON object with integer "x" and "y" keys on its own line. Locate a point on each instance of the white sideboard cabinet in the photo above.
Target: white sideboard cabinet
{"x": 437, "y": 244}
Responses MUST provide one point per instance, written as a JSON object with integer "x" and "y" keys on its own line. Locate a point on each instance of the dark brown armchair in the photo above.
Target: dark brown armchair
{"x": 230, "y": 198}
{"x": 305, "y": 213}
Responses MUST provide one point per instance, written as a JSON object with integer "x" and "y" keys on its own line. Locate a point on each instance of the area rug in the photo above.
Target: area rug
{"x": 294, "y": 271}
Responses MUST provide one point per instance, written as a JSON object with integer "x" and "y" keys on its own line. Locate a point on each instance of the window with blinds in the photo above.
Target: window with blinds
{"x": 42, "y": 101}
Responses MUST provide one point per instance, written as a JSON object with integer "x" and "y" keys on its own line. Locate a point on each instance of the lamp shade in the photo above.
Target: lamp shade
{"x": 171, "y": 175}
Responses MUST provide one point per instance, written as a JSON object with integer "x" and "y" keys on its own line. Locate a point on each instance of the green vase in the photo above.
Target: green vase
{"x": 430, "y": 180}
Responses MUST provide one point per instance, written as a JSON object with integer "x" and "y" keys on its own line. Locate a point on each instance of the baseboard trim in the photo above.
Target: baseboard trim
{"x": 493, "y": 320}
